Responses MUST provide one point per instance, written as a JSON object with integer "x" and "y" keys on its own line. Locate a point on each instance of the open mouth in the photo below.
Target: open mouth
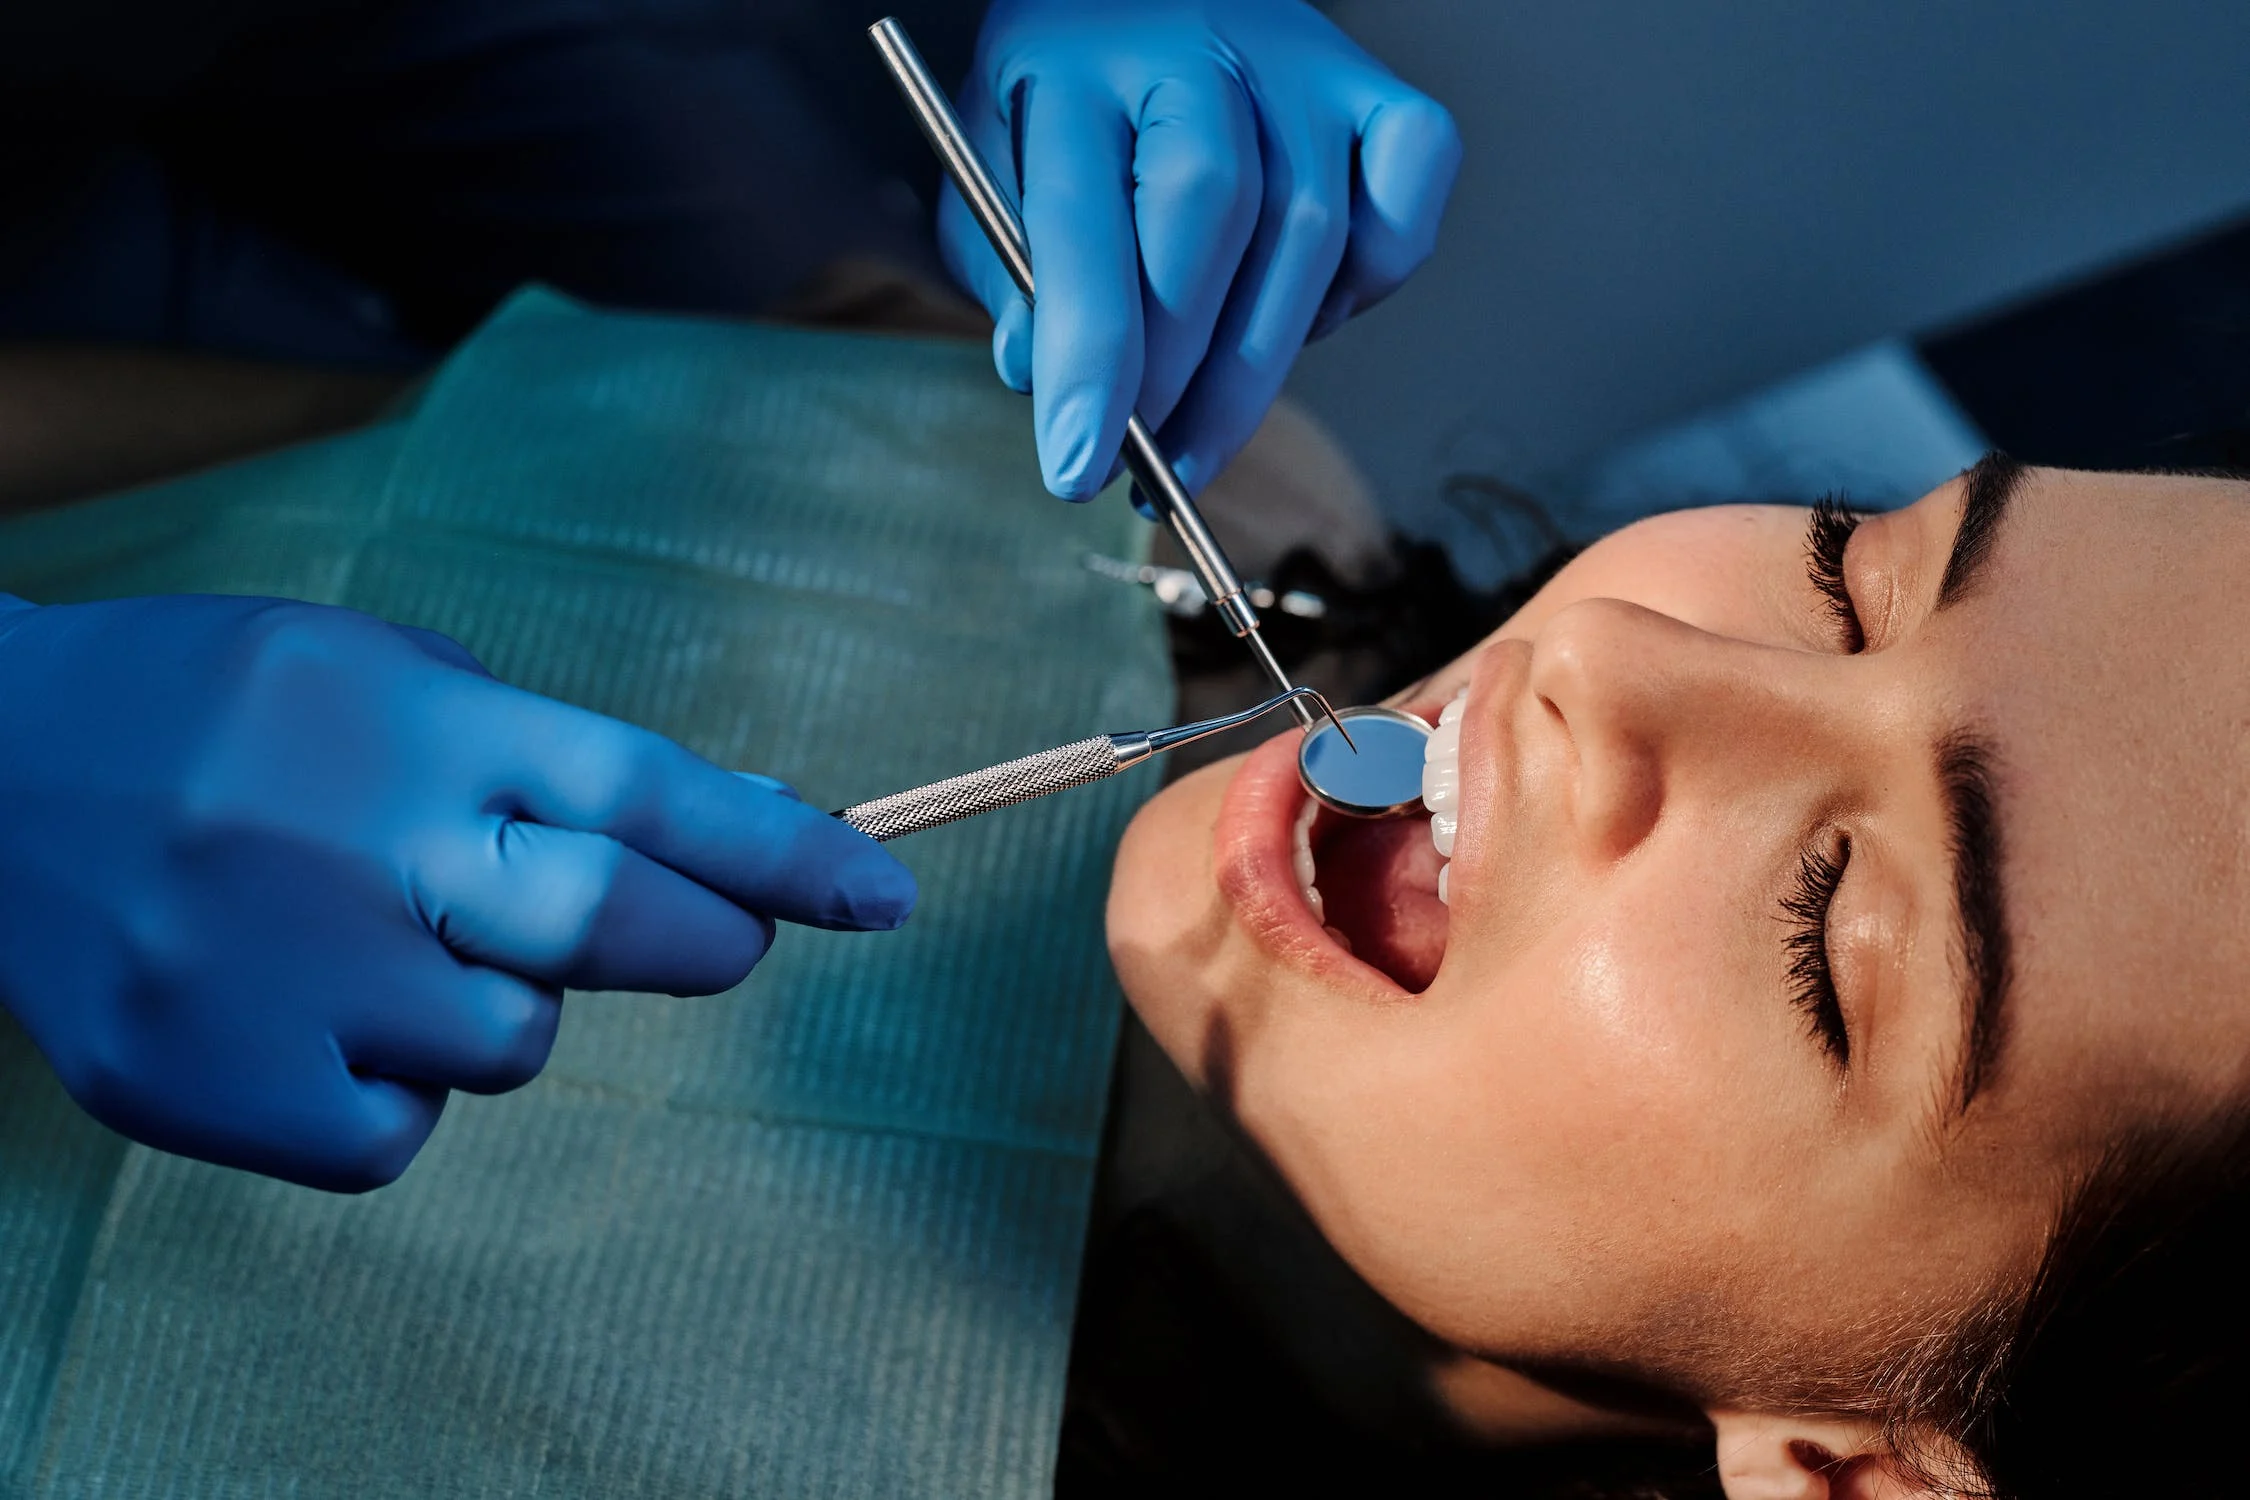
{"x": 1362, "y": 902}
{"x": 1378, "y": 887}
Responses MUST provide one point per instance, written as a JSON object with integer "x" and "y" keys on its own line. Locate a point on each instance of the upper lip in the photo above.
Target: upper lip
{"x": 1251, "y": 854}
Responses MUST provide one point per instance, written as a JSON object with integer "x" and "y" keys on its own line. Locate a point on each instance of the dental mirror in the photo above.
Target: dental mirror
{"x": 1382, "y": 780}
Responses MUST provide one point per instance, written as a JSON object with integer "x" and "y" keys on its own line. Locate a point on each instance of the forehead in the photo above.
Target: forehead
{"x": 2103, "y": 654}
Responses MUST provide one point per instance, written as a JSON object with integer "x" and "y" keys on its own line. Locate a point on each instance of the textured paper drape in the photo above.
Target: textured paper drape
{"x": 818, "y": 1236}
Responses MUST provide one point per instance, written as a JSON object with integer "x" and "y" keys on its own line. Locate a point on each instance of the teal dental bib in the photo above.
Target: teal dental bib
{"x": 818, "y": 1236}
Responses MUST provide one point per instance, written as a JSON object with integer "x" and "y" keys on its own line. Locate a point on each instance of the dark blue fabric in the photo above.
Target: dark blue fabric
{"x": 360, "y": 184}
{"x": 142, "y": 257}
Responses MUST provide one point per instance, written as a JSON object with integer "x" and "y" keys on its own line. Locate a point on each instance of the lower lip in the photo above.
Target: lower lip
{"x": 1252, "y": 848}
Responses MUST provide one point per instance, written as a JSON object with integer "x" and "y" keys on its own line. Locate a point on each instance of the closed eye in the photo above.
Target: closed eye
{"x": 1827, "y": 533}
{"x": 1812, "y": 982}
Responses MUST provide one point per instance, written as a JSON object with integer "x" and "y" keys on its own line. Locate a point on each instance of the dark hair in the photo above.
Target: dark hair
{"x": 2111, "y": 1368}
{"x": 2129, "y": 1362}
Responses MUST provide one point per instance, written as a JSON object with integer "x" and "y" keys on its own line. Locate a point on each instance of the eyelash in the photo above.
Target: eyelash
{"x": 1826, "y": 535}
{"x": 1812, "y": 986}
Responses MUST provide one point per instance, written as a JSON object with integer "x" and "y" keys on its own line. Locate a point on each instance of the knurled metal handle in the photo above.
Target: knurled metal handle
{"x": 1054, "y": 770}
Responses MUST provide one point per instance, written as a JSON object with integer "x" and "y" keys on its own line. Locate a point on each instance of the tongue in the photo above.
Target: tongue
{"x": 1378, "y": 887}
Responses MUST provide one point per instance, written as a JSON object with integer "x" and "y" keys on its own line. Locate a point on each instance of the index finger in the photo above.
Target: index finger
{"x": 1086, "y": 352}
{"x": 763, "y": 850}
{"x": 970, "y": 256}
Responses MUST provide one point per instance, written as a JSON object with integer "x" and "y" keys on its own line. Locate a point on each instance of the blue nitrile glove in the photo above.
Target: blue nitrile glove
{"x": 275, "y": 877}
{"x": 1206, "y": 184}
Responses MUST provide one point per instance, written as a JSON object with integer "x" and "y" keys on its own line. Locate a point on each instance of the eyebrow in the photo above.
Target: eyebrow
{"x": 1965, "y": 775}
{"x": 1968, "y": 787}
{"x": 1987, "y": 487}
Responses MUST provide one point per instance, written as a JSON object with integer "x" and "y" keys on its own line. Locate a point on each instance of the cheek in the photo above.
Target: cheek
{"x": 1623, "y": 999}
{"x": 1620, "y": 1061}
{"x": 1522, "y": 1153}
{"x": 1658, "y": 1041}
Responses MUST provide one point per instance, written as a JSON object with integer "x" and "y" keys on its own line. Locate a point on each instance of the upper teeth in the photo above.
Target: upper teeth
{"x": 1301, "y": 857}
{"x": 1441, "y": 783}
{"x": 1441, "y": 794}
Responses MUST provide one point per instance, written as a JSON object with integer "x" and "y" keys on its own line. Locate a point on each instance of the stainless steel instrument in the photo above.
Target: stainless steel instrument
{"x": 1059, "y": 769}
{"x": 1143, "y": 459}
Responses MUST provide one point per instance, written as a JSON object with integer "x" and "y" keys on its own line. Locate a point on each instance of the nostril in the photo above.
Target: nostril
{"x": 1563, "y": 677}
{"x": 1591, "y": 677}
{"x": 1620, "y": 795}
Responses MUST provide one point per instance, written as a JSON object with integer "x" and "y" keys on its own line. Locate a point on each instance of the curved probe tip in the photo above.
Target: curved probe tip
{"x": 1315, "y": 695}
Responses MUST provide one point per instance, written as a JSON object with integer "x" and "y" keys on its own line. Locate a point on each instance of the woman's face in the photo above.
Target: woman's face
{"x": 1801, "y": 943}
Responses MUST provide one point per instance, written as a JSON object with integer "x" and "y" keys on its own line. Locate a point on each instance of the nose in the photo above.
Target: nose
{"x": 1655, "y": 710}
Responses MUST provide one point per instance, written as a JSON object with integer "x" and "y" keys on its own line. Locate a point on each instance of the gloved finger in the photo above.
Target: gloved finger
{"x": 765, "y": 852}
{"x": 350, "y": 1131}
{"x": 977, "y": 266}
{"x": 1302, "y": 228}
{"x": 1011, "y": 345}
{"x": 771, "y": 784}
{"x": 1195, "y": 160}
{"x": 387, "y": 1123}
{"x": 447, "y": 1023}
{"x": 969, "y": 254}
{"x": 580, "y": 909}
{"x": 440, "y": 648}
{"x": 1409, "y": 153}
{"x": 1086, "y": 353}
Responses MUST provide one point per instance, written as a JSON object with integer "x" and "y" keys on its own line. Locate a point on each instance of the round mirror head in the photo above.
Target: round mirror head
{"x": 1383, "y": 779}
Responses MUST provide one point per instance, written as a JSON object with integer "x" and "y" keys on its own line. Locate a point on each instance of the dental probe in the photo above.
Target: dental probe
{"x": 1054, "y": 770}
{"x": 966, "y": 166}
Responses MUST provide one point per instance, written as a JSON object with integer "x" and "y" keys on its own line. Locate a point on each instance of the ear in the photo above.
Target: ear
{"x": 1768, "y": 1457}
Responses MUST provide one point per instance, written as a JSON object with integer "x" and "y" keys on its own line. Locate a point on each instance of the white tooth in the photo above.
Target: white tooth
{"x": 1443, "y": 871}
{"x": 1442, "y": 828}
{"x": 1301, "y": 856}
{"x": 1453, "y": 711}
{"x": 1313, "y": 901}
{"x": 1441, "y": 764}
{"x": 1441, "y": 786}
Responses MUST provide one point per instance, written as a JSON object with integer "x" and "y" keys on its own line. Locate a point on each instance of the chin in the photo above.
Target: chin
{"x": 1168, "y": 925}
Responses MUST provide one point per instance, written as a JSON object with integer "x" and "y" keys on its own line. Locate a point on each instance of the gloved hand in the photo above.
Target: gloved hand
{"x": 276, "y": 877}
{"x": 1206, "y": 184}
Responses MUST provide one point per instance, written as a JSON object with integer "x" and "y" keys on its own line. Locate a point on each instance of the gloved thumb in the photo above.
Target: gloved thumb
{"x": 972, "y": 259}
